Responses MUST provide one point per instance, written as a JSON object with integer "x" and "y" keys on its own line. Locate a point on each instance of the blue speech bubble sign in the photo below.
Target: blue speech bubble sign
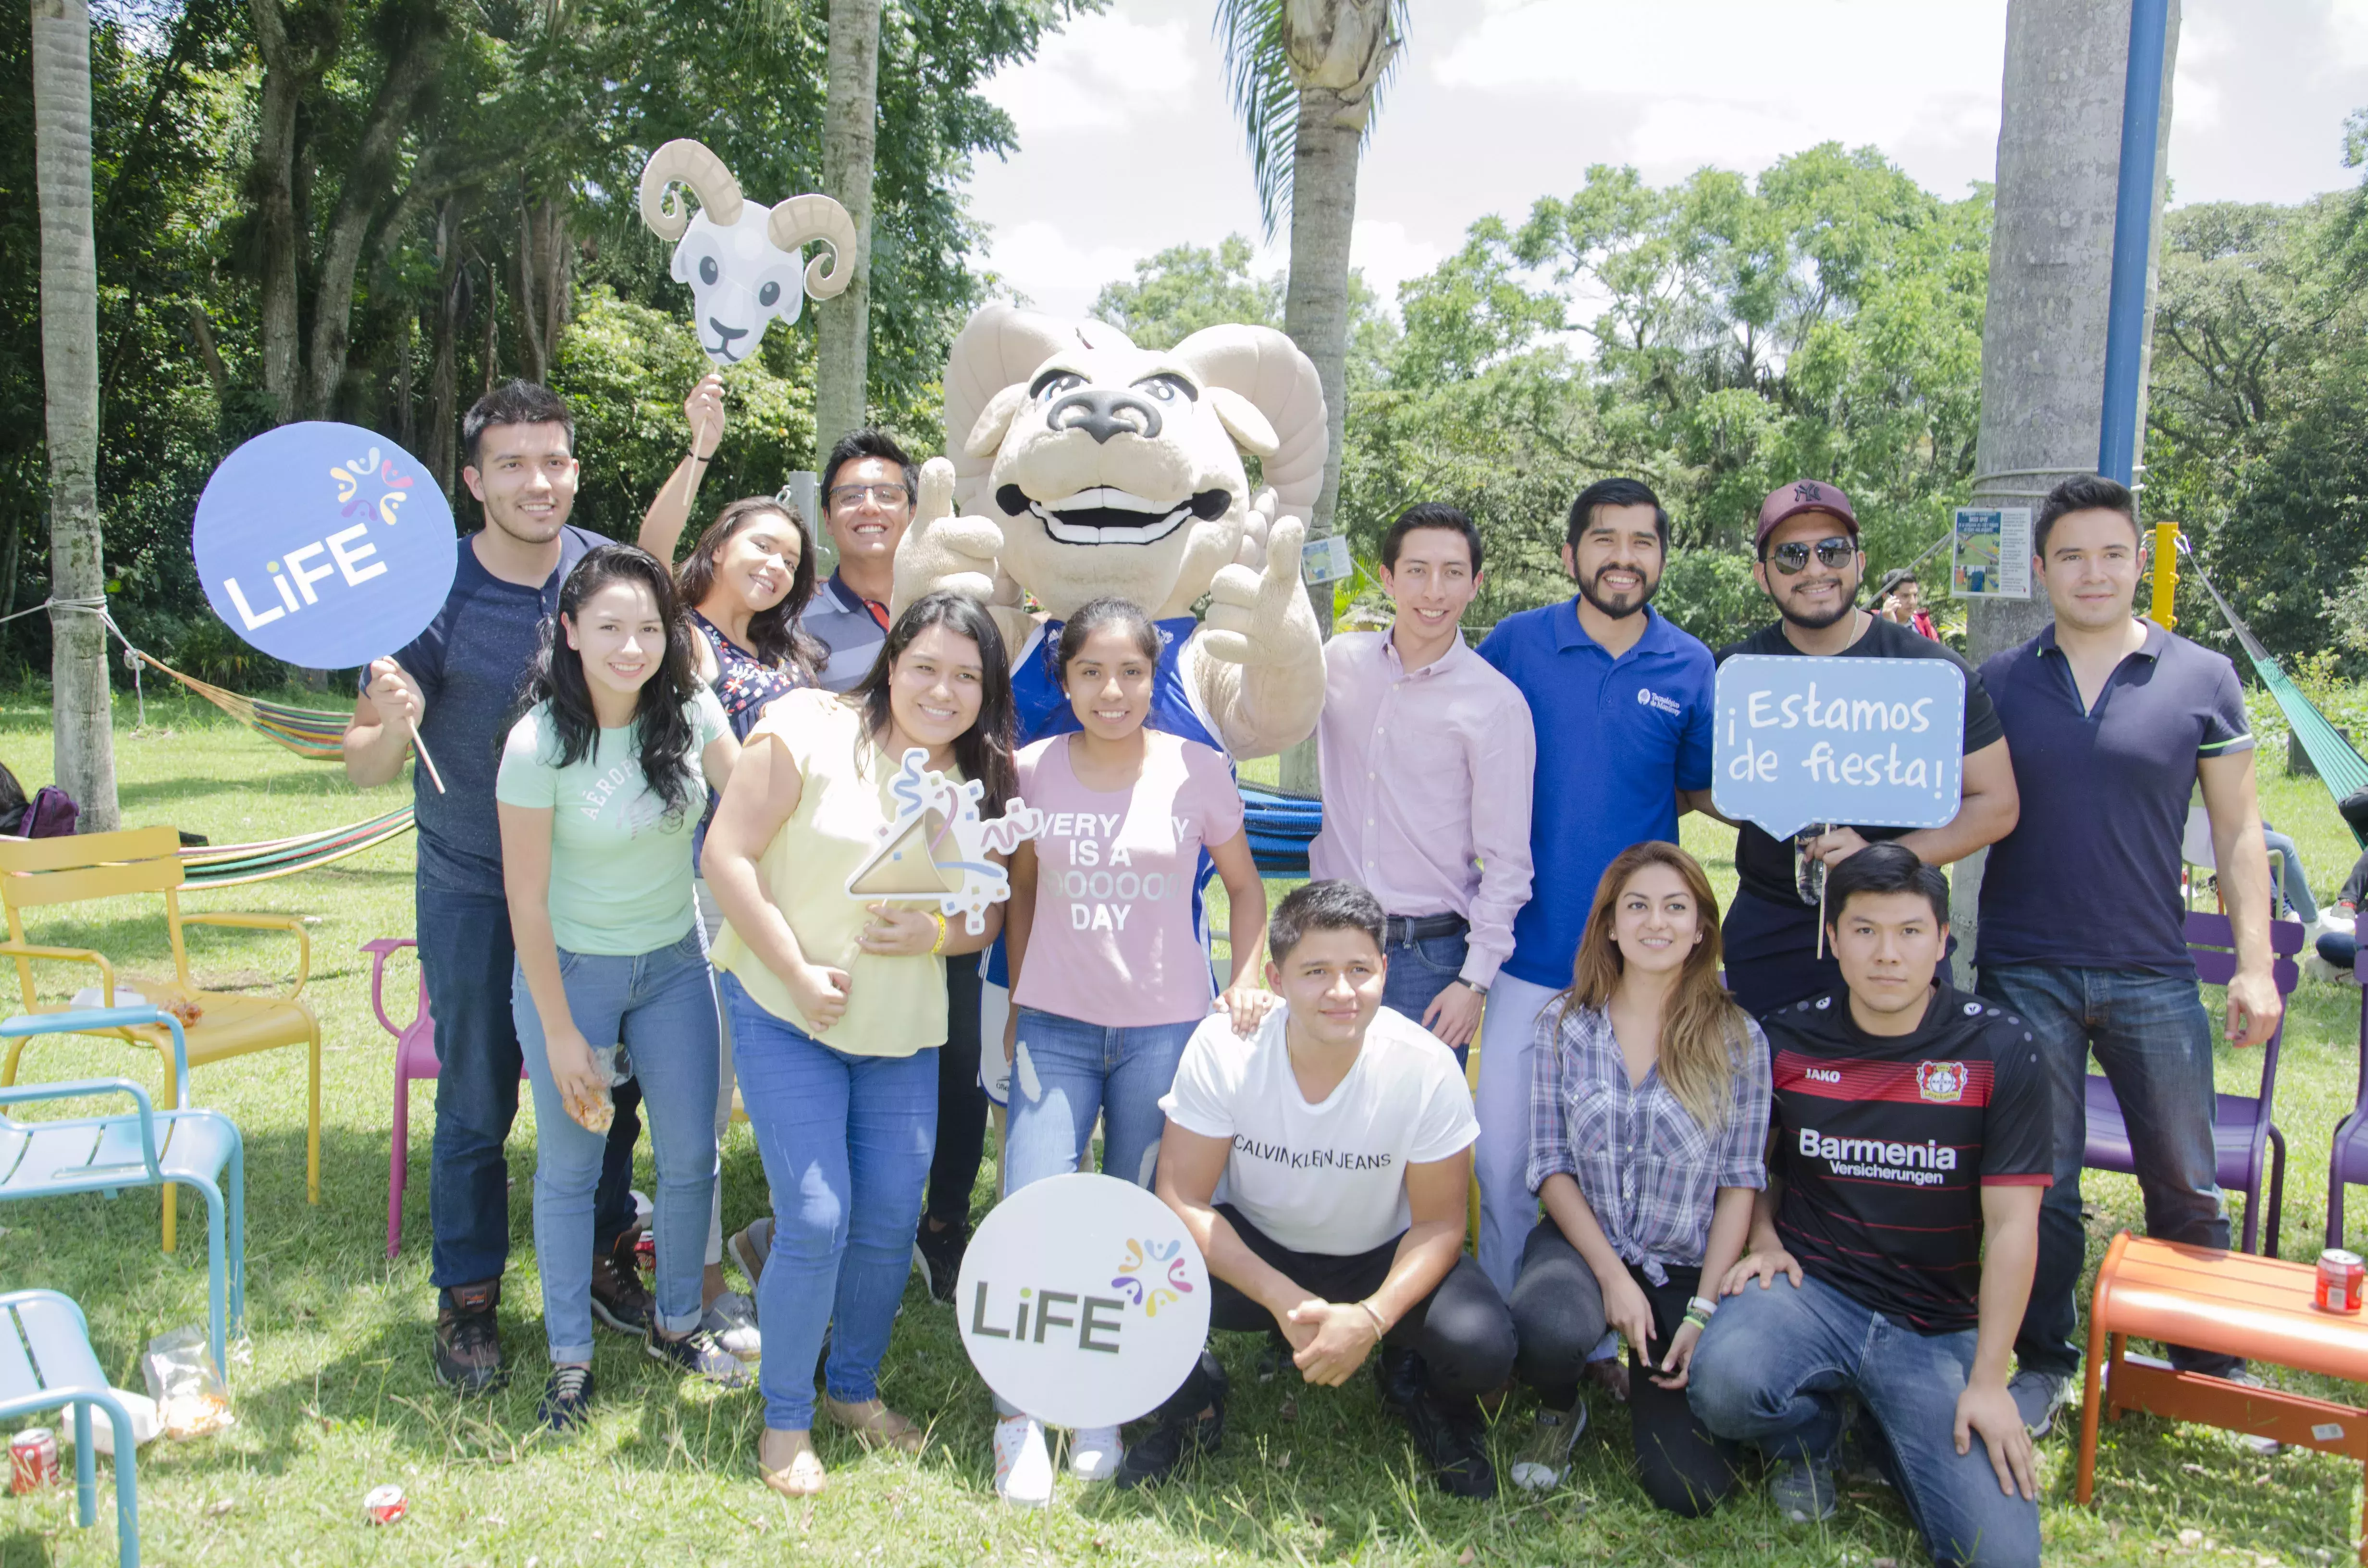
{"x": 323, "y": 544}
{"x": 1872, "y": 743}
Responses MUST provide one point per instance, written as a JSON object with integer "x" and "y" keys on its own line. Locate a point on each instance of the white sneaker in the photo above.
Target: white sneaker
{"x": 2339, "y": 918}
{"x": 733, "y": 1321}
{"x": 1095, "y": 1452}
{"x": 1023, "y": 1466}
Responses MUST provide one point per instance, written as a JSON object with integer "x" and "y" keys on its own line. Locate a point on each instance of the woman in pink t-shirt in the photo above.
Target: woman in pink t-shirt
{"x": 1110, "y": 976}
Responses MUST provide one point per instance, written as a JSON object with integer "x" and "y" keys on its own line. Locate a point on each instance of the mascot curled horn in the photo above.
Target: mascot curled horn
{"x": 1083, "y": 466}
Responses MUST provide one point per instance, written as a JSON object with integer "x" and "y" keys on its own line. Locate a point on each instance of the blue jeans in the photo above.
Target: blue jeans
{"x": 1421, "y": 970}
{"x": 1081, "y": 1071}
{"x": 1770, "y": 1371}
{"x": 2292, "y": 878}
{"x": 661, "y": 1007}
{"x": 846, "y": 1142}
{"x": 467, "y": 956}
{"x": 2154, "y": 1041}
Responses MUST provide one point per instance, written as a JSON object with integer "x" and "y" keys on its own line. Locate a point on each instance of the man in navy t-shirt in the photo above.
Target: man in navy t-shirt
{"x": 1892, "y": 1250}
{"x": 2114, "y": 725}
{"x": 457, "y": 682}
{"x": 1622, "y": 702}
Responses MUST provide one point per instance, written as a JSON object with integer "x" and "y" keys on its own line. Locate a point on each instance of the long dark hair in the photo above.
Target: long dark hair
{"x": 1095, "y": 614}
{"x": 984, "y": 750}
{"x": 774, "y": 633}
{"x": 662, "y": 712}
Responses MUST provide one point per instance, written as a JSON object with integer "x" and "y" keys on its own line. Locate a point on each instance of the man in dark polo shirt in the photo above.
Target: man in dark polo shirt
{"x": 869, "y": 485}
{"x": 1892, "y": 1250}
{"x": 1810, "y": 565}
{"x": 2116, "y": 723}
{"x": 457, "y": 682}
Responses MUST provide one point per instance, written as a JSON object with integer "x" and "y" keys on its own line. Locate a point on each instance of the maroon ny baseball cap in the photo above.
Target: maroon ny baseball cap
{"x": 1802, "y": 495}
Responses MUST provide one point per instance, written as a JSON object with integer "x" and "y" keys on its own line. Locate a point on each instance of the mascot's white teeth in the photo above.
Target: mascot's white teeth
{"x": 1106, "y": 515}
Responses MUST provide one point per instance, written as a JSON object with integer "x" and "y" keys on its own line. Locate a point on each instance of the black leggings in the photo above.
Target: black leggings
{"x": 962, "y": 1103}
{"x": 1558, "y": 1309}
{"x": 1462, "y": 1328}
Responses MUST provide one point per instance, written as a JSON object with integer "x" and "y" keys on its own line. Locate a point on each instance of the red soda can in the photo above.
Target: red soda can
{"x": 32, "y": 1460}
{"x": 385, "y": 1505}
{"x": 2341, "y": 1278}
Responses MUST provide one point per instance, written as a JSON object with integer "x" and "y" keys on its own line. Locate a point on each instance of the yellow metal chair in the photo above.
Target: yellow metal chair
{"x": 38, "y": 872}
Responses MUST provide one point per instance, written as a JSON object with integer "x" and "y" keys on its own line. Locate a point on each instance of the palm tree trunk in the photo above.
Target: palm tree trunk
{"x": 82, "y": 738}
{"x": 842, "y": 345}
{"x": 1315, "y": 313}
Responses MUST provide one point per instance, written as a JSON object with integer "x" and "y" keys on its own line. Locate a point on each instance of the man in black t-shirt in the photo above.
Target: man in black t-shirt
{"x": 1909, "y": 1145}
{"x": 1810, "y": 566}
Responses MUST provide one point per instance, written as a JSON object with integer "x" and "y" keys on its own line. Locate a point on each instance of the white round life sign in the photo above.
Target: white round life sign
{"x": 1083, "y": 1301}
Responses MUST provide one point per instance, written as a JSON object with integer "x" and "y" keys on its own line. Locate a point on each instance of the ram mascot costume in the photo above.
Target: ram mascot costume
{"x": 1082, "y": 466}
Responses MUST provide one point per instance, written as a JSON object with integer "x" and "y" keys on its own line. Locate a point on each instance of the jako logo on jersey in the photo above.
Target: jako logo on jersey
{"x": 1822, "y": 1074}
{"x": 1646, "y": 697}
{"x": 1928, "y": 1155}
{"x": 1943, "y": 1082}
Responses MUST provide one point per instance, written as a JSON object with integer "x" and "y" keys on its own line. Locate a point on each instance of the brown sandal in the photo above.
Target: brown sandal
{"x": 800, "y": 1479}
{"x": 875, "y": 1426}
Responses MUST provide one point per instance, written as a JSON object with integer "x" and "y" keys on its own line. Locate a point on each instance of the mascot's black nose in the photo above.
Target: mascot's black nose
{"x": 1102, "y": 415}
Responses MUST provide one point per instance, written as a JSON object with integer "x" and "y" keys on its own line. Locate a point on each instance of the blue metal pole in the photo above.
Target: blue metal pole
{"x": 2133, "y": 239}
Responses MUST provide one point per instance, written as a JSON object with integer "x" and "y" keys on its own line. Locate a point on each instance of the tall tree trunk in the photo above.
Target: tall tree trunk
{"x": 289, "y": 67}
{"x": 1315, "y": 313}
{"x": 2051, "y": 272}
{"x": 444, "y": 362}
{"x": 842, "y": 326}
{"x": 82, "y": 733}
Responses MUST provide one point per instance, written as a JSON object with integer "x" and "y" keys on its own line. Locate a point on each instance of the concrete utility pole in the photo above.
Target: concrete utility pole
{"x": 2044, "y": 337}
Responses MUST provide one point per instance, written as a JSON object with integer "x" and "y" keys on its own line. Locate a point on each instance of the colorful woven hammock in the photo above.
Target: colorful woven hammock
{"x": 227, "y": 865}
{"x": 311, "y": 734}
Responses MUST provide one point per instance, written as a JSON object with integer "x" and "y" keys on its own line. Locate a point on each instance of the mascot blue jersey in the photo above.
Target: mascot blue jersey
{"x": 1041, "y": 708}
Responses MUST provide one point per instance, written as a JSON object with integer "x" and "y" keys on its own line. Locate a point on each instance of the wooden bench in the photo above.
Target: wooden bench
{"x": 2234, "y": 1302}
{"x": 46, "y": 1363}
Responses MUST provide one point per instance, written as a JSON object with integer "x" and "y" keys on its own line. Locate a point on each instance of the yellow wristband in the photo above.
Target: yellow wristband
{"x": 940, "y": 944}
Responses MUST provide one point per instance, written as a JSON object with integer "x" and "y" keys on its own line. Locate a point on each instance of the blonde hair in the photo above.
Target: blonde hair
{"x": 1703, "y": 1033}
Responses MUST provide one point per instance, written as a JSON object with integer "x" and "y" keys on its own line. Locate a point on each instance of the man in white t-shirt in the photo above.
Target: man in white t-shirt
{"x": 1322, "y": 1165}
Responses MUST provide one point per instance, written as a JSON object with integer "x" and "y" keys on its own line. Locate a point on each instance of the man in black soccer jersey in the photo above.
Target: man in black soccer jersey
{"x": 1909, "y": 1128}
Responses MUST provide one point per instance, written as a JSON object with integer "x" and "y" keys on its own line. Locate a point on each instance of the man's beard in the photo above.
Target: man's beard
{"x": 1615, "y": 610}
{"x": 519, "y": 528}
{"x": 1848, "y": 604}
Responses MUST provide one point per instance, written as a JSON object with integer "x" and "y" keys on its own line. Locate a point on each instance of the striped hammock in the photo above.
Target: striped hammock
{"x": 228, "y": 865}
{"x": 309, "y": 732}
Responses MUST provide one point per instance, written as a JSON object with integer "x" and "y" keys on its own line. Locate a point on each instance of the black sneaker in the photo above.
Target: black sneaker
{"x": 1273, "y": 1356}
{"x": 566, "y": 1399}
{"x": 468, "y": 1340}
{"x": 1399, "y": 1375}
{"x": 697, "y": 1354}
{"x": 620, "y": 1299}
{"x": 939, "y": 1255}
{"x": 1183, "y": 1433}
{"x": 1453, "y": 1436}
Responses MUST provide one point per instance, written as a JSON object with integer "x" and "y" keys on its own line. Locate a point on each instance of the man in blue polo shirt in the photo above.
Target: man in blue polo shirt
{"x": 2114, "y": 724}
{"x": 1622, "y": 699}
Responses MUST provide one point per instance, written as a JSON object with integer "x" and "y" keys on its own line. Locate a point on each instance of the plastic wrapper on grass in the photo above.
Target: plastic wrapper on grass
{"x": 186, "y": 1384}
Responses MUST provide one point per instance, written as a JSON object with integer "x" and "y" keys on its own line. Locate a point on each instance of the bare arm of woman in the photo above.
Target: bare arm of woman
{"x": 669, "y": 511}
{"x": 762, "y": 793}
{"x": 1730, "y": 1228}
{"x": 719, "y": 757}
{"x": 525, "y": 881}
{"x": 1244, "y": 997}
{"x": 1019, "y": 920}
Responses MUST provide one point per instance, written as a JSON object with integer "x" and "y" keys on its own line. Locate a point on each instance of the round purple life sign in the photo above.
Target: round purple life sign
{"x": 325, "y": 545}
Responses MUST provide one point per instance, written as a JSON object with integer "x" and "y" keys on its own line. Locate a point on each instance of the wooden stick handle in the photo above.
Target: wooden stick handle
{"x": 421, "y": 746}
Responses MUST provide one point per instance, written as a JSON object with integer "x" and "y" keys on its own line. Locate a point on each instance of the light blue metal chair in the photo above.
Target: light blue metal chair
{"x": 143, "y": 1148}
{"x": 46, "y": 1363}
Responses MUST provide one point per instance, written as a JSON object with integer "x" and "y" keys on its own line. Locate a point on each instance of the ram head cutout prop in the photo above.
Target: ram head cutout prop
{"x": 1083, "y": 466}
{"x": 740, "y": 260}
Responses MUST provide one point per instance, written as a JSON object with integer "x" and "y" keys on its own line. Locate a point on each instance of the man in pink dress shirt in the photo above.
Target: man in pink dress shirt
{"x": 1427, "y": 755}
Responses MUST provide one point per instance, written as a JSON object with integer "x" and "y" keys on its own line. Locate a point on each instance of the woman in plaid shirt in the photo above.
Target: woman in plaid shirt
{"x": 1648, "y": 1125}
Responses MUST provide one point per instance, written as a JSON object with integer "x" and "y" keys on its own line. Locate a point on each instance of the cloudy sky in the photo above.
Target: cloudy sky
{"x": 1127, "y": 144}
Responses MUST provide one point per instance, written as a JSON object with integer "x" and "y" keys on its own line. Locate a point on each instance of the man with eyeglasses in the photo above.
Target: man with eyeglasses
{"x": 868, "y": 489}
{"x": 1810, "y": 566}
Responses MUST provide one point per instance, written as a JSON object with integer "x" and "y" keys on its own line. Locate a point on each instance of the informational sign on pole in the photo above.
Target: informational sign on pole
{"x": 1873, "y": 743}
{"x": 1083, "y": 1301}
{"x": 1992, "y": 557}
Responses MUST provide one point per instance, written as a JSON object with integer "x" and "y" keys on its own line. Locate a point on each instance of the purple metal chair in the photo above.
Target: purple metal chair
{"x": 2347, "y": 1164}
{"x": 2247, "y": 1142}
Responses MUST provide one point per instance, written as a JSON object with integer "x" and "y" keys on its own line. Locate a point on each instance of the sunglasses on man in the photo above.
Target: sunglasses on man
{"x": 1832, "y": 553}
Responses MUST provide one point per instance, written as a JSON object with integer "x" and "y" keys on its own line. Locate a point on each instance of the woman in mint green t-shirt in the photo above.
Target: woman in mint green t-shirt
{"x": 598, "y": 792}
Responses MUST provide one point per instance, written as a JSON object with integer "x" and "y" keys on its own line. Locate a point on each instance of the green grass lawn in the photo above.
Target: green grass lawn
{"x": 339, "y": 1396}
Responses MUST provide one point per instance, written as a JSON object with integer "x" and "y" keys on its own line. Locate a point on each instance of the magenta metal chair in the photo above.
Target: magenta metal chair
{"x": 2347, "y": 1164}
{"x": 2248, "y": 1144}
{"x": 414, "y": 1057}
